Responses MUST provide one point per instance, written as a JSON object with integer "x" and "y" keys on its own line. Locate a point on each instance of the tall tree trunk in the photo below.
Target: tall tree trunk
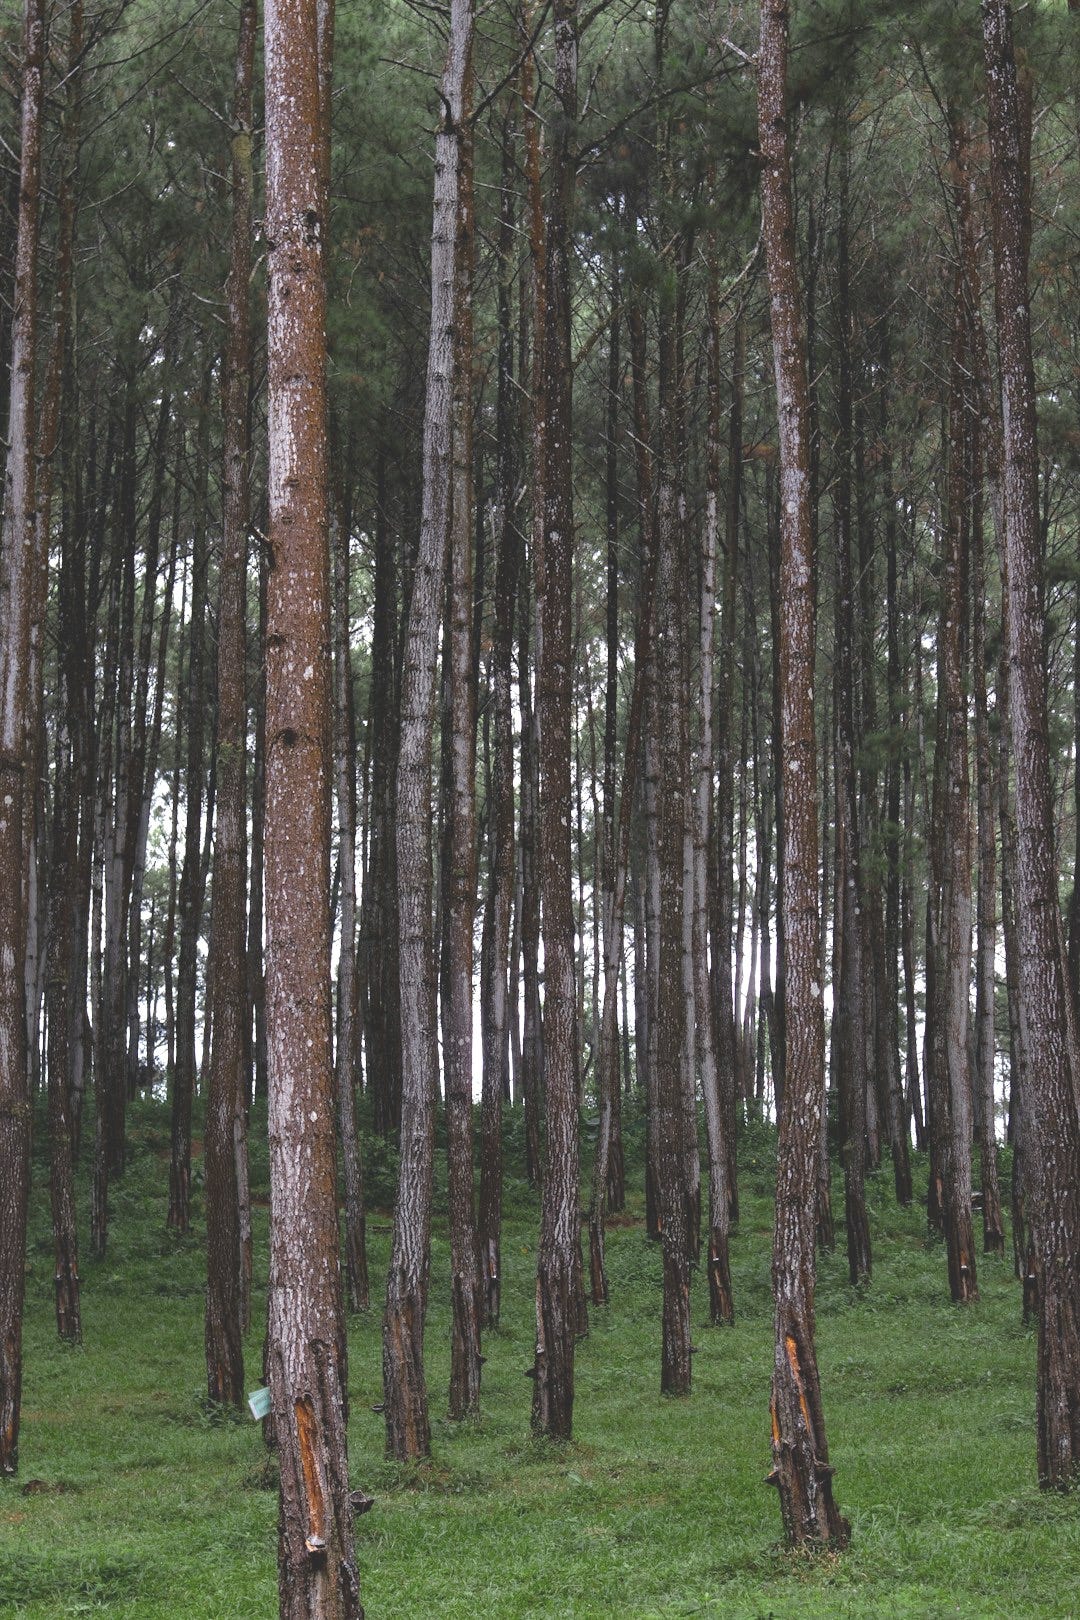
{"x": 465, "y": 1357}
{"x": 850, "y": 991}
{"x": 715, "y": 1030}
{"x": 532, "y": 1039}
{"x": 507, "y": 567}
{"x": 226, "y": 1101}
{"x": 347, "y": 1041}
{"x": 382, "y": 1020}
{"x": 18, "y": 725}
{"x": 556, "y": 1304}
{"x": 64, "y": 919}
{"x": 800, "y": 1452}
{"x": 986, "y": 949}
{"x": 896, "y": 700}
{"x": 1052, "y": 1071}
{"x": 191, "y": 892}
{"x": 725, "y": 994}
{"x": 408, "y": 1429}
{"x": 616, "y": 877}
{"x": 306, "y": 1342}
{"x": 954, "y": 954}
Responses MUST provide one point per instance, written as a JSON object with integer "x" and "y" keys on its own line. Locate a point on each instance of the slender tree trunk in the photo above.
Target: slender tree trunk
{"x": 225, "y": 1103}
{"x": 993, "y": 1226}
{"x": 954, "y": 973}
{"x": 614, "y": 912}
{"x": 532, "y": 1040}
{"x": 800, "y": 1453}
{"x": 382, "y": 1021}
{"x": 896, "y": 700}
{"x": 850, "y": 990}
{"x": 465, "y": 1357}
{"x": 408, "y": 1430}
{"x": 507, "y": 567}
{"x": 715, "y": 1031}
{"x": 191, "y": 892}
{"x": 18, "y": 726}
{"x": 1052, "y": 1073}
{"x": 556, "y": 1303}
{"x": 725, "y": 994}
{"x": 64, "y": 919}
{"x": 347, "y": 1042}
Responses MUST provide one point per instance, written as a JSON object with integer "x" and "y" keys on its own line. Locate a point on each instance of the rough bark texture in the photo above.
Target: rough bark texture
{"x": 800, "y": 1454}
{"x": 408, "y": 1430}
{"x": 1051, "y": 1071}
{"x": 18, "y": 552}
{"x": 497, "y": 961}
{"x": 985, "y": 456}
{"x": 614, "y": 912}
{"x": 225, "y": 1103}
{"x": 851, "y": 999}
{"x": 460, "y": 877}
{"x": 347, "y": 1042}
{"x": 61, "y": 992}
{"x": 191, "y": 888}
{"x": 954, "y": 925}
{"x": 672, "y": 1156}
{"x": 306, "y": 1345}
{"x": 556, "y": 1312}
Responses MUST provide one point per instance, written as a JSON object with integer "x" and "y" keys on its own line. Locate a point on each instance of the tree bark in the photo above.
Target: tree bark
{"x": 408, "y": 1429}
{"x": 954, "y": 953}
{"x": 500, "y": 899}
{"x": 465, "y": 1358}
{"x": 1052, "y": 1069}
{"x": 800, "y": 1453}
{"x": 225, "y": 1104}
{"x": 347, "y": 1041}
{"x": 18, "y": 724}
{"x": 306, "y": 1342}
{"x": 556, "y": 1304}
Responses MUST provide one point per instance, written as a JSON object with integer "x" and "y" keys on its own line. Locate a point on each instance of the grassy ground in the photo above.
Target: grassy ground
{"x": 134, "y": 1501}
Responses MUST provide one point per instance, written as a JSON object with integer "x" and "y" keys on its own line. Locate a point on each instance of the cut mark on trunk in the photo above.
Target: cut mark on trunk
{"x": 307, "y": 1432}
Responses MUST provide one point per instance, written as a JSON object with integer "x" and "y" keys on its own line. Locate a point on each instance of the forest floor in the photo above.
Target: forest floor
{"x": 135, "y": 1501}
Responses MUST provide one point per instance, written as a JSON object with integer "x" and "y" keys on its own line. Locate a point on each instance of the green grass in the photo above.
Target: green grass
{"x": 134, "y": 1501}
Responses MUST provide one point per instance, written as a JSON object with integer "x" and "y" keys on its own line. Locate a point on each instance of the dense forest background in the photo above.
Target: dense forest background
{"x": 555, "y": 491}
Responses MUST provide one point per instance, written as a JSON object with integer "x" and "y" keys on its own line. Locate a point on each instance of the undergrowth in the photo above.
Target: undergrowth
{"x": 137, "y": 1499}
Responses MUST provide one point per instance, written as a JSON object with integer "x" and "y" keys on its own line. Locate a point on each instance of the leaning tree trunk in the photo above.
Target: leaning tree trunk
{"x": 408, "y": 1428}
{"x": 305, "y": 1339}
{"x": 18, "y": 552}
{"x": 225, "y": 1103}
{"x": 800, "y": 1454}
{"x": 1052, "y": 1068}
